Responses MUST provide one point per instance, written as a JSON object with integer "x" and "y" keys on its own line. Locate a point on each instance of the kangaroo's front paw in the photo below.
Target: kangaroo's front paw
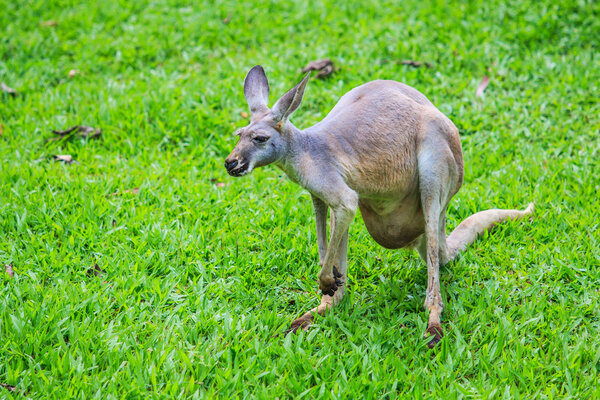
{"x": 337, "y": 275}
{"x": 329, "y": 284}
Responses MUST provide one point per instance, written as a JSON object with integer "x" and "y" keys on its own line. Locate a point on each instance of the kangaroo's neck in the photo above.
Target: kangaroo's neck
{"x": 298, "y": 153}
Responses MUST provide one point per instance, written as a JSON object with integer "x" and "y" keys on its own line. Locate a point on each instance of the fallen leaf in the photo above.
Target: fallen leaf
{"x": 8, "y": 387}
{"x": 1, "y": 129}
{"x": 73, "y": 72}
{"x": 484, "y": 82}
{"x": 49, "y": 23}
{"x": 83, "y": 131}
{"x": 8, "y": 90}
{"x": 9, "y": 270}
{"x": 89, "y": 132}
{"x": 227, "y": 19}
{"x": 66, "y": 131}
{"x": 132, "y": 191}
{"x": 244, "y": 114}
{"x": 66, "y": 158}
{"x": 95, "y": 271}
{"x": 324, "y": 66}
{"x": 415, "y": 64}
{"x": 217, "y": 183}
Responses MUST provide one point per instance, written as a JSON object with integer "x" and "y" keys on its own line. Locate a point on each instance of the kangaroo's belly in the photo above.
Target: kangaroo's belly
{"x": 393, "y": 223}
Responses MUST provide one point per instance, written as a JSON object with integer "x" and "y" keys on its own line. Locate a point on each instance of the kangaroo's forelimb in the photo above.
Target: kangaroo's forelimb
{"x": 320, "y": 209}
{"x": 340, "y": 273}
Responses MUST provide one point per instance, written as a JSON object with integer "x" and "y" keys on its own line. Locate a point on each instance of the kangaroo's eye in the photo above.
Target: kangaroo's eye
{"x": 260, "y": 139}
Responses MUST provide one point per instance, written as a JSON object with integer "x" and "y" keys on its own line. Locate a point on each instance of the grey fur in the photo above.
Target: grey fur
{"x": 383, "y": 148}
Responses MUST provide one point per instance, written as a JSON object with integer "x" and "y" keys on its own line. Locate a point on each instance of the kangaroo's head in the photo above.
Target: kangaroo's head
{"x": 266, "y": 139}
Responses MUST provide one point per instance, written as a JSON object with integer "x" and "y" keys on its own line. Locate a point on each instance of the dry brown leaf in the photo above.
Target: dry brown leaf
{"x": 244, "y": 114}
{"x": 415, "y": 64}
{"x": 324, "y": 66}
{"x": 66, "y": 158}
{"x": 83, "y": 131}
{"x": 227, "y": 19}
{"x": 217, "y": 183}
{"x": 9, "y": 270}
{"x": 66, "y": 131}
{"x": 132, "y": 191}
{"x": 8, "y": 387}
{"x": 89, "y": 132}
{"x": 484, "y": 82}
{"x": 95, "y": 270}
{"x": 8, "y": 90}
{"x": 1, "y": 130}
{"x": 49, "y": 23}
{"x": 73, "y": 72}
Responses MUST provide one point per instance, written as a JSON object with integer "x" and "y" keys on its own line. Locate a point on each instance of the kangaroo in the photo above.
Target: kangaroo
{"x": 384, "y": 148}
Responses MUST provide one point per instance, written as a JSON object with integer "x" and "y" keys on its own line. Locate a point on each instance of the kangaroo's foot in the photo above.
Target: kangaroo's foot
{"x": 435, "y": 332}
{"x": 306, "y": 320}
{"x": 301, "y": 324}
{"x": 329, "y": 284}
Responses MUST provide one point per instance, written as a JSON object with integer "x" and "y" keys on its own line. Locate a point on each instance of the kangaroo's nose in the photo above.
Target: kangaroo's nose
{"x": 229, "y": 165}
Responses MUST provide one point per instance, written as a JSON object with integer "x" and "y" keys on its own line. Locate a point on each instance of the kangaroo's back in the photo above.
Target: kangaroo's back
{"x": 377, "y": 91}
{"x": 375, "y": 130}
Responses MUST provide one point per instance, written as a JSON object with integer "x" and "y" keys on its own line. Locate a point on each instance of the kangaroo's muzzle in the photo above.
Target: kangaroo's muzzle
{"x": 235, "y": 168}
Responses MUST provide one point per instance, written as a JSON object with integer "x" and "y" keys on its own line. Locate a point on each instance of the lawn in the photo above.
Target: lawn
{"x": 142, "y": 270}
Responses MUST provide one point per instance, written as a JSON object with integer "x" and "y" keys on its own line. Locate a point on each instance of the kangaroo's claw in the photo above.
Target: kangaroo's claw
{"x": 336, "y": 273}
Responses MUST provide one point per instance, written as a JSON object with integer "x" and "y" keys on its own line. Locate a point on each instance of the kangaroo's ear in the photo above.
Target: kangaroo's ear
{"x": 256, "y": 90}
{"x": 290, "y": 101}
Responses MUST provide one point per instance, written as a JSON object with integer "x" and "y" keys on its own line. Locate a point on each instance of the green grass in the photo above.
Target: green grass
{"x": 200, "y": 277}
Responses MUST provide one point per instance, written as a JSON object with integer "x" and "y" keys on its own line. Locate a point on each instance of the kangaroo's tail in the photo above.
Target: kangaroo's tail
{"x": 477, "y": 224}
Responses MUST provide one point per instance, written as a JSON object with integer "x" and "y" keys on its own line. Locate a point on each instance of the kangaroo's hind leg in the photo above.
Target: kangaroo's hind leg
{"x": 439, "y": 178}
{"x": 430, "y": 251}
